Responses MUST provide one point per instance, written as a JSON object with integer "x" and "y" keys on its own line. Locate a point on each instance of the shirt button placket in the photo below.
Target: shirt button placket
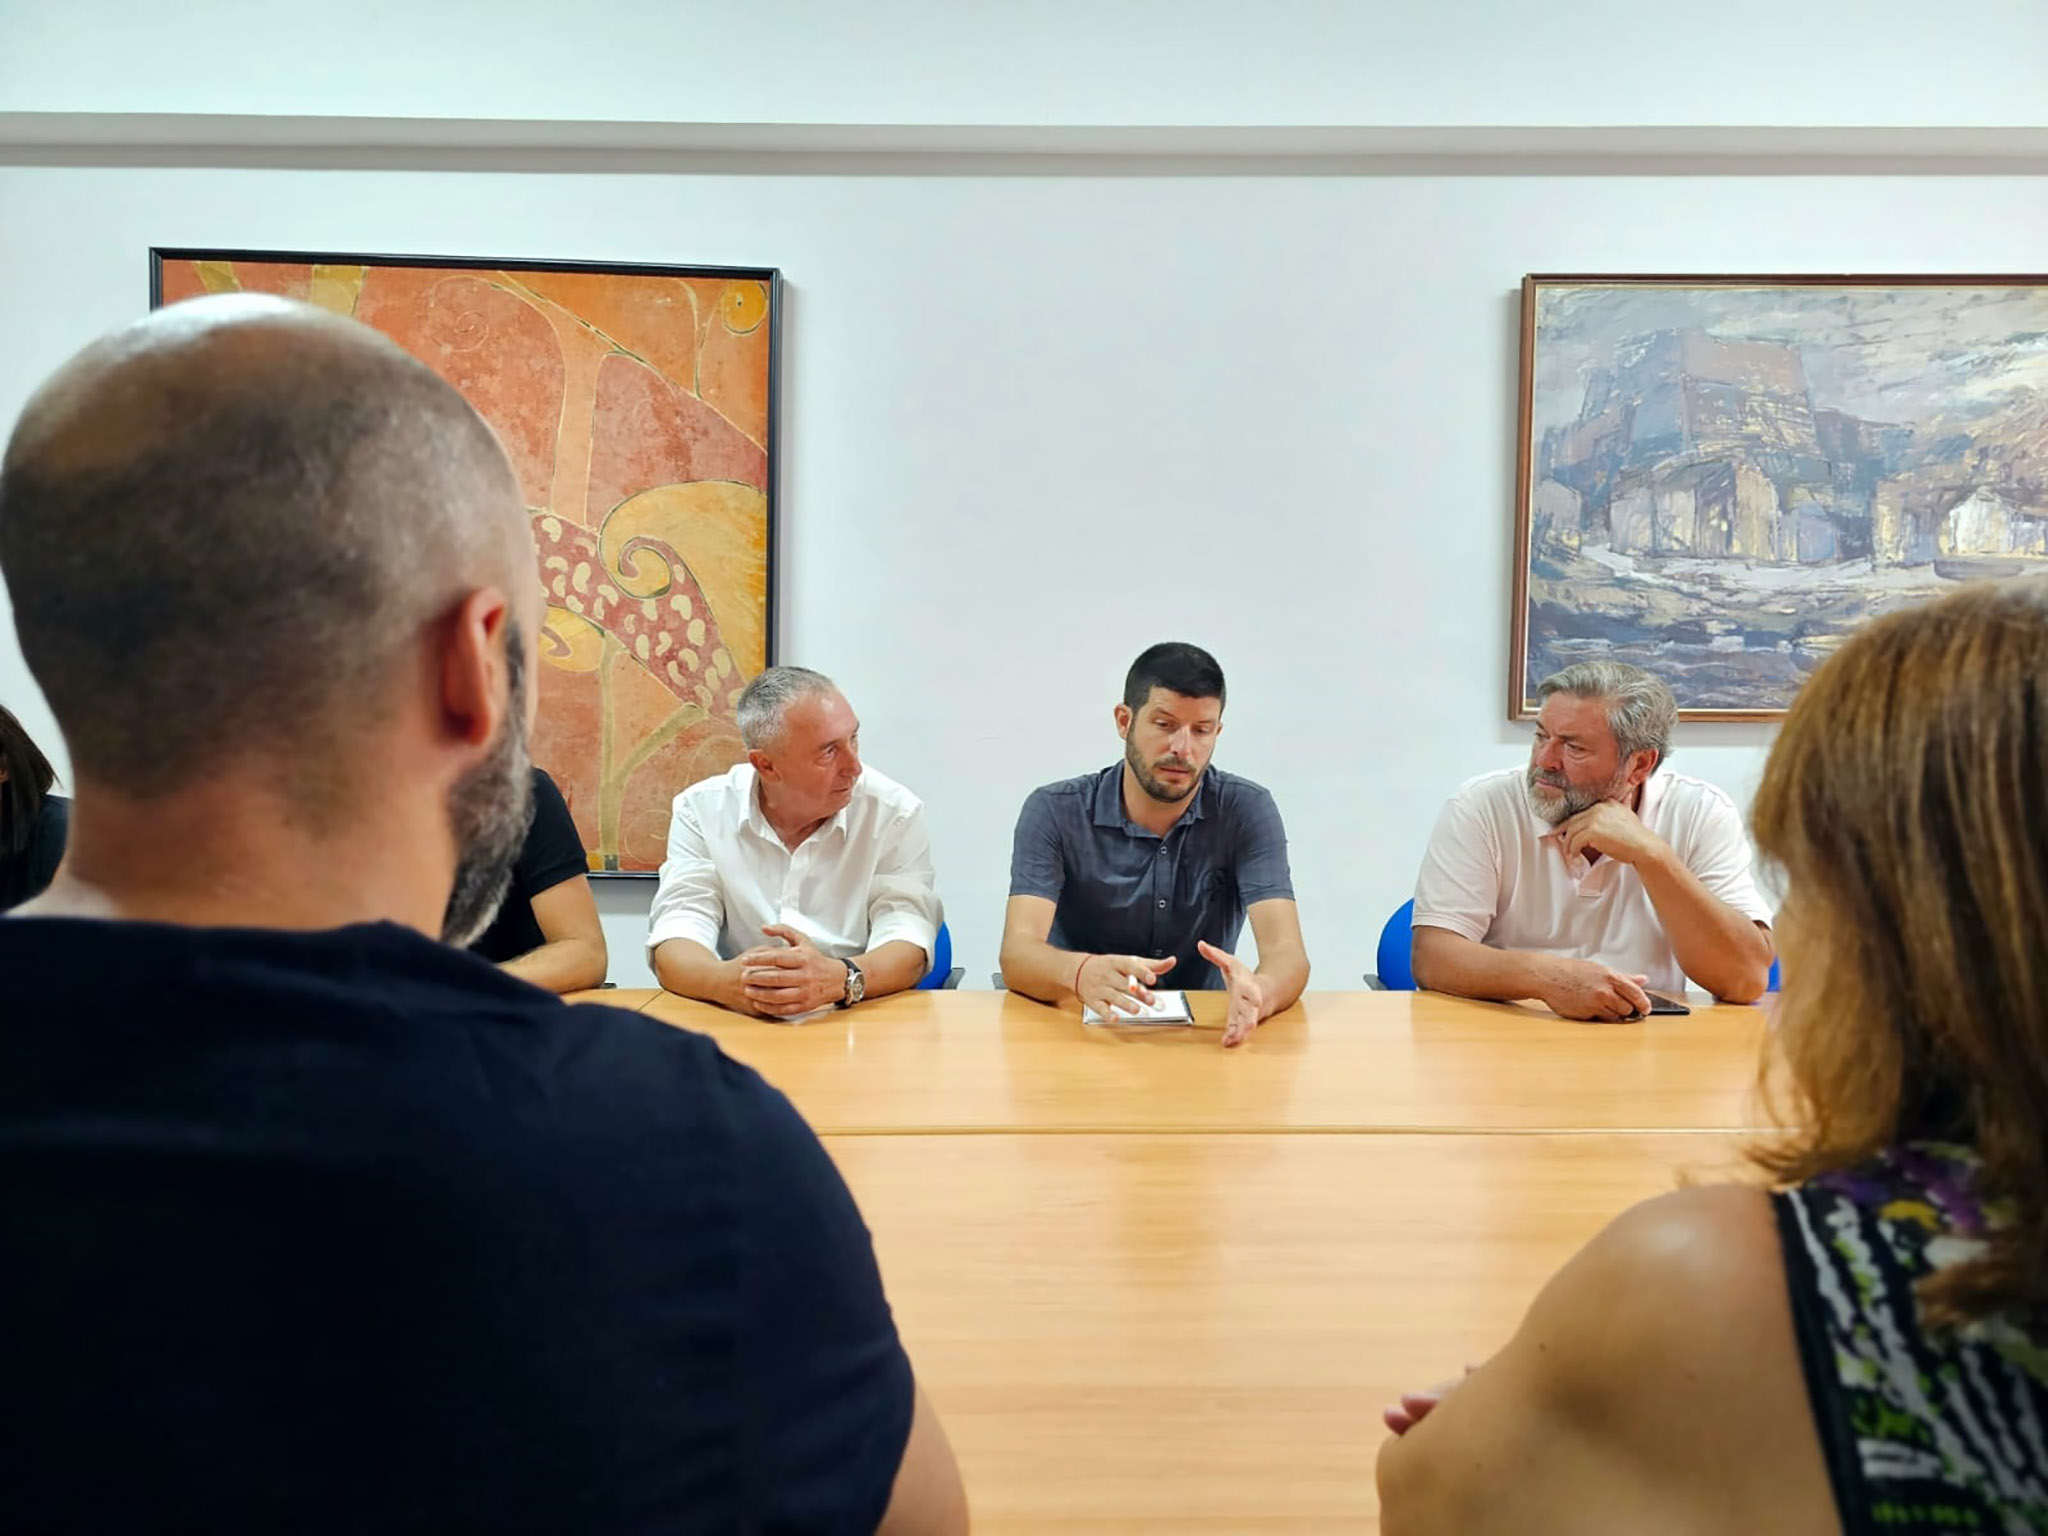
{"x": 1159, "y": 874}
{"x": 1162, "y": 869}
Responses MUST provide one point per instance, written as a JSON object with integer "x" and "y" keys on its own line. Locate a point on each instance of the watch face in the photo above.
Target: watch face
{"x": 856, "y": 984}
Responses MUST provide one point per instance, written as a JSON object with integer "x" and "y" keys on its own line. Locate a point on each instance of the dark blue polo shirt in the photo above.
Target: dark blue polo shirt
{"x": 1118, "y": 889}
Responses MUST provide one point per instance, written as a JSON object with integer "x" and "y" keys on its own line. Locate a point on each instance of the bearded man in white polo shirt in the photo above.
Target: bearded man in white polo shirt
{"x": 800, "y": 880}
{"x": 1595, "y": 873}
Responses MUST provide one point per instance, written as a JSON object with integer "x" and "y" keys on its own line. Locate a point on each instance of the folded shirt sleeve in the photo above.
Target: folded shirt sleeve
{"x": 1262, "y": 870}
{"x": 1038, "y": 865}
{"x": 903, "y": 903}
{"x": 553, "y": 852}
{"x": 1458, "y": 887}
{"x": 689, "y": 902}
{"x": 1720, "y": 856}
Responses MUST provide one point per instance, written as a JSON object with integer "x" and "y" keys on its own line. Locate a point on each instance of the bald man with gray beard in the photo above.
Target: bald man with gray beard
{"x": 312, "y": 1221}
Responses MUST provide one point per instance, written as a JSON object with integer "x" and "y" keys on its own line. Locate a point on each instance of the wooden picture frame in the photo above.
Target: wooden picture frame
{"x": 1719, "y": 477}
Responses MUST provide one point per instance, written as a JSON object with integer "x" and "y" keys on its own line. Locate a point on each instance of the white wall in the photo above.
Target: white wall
{"x": 1971, "y": 63}
{"x": 1035, "y": 423}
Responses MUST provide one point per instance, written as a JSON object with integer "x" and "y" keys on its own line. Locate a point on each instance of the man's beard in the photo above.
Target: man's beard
{"x": 1158, "y": 789}
{"x": 489, "y": 810}
{"x": 1572, "y": 798}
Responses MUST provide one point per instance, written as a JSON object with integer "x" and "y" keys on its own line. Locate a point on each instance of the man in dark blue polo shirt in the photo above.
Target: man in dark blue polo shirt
{"x": 1148, "y": 869}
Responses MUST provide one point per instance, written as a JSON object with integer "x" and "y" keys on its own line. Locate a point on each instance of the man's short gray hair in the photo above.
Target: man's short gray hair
{"x": 1640, "y": 708}
{"x": 765, "y": 699}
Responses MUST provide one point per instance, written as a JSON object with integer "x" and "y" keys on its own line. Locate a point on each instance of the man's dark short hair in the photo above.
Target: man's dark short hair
{"x": 1177, "y": 667}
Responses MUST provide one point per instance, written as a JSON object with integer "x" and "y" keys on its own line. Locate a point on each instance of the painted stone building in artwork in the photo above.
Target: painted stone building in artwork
{"x": 1970, "y": 503}
{"x": 1990, "y": 534}
{"x": 1693, "y": 445}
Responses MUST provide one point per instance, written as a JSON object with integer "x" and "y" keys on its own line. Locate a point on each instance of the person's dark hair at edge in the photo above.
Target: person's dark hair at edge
{"x": 29, "y": 777}
{"x": 1176, "y": 666}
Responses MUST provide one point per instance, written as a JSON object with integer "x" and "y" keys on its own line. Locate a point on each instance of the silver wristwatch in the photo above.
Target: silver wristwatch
{"x": 856, "y": 985}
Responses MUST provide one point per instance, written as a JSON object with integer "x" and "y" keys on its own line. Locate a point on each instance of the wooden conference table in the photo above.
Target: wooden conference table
{"x": 1154, "y": 1286}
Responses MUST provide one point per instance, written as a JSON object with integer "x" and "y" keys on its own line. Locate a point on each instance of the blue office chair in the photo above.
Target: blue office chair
{"x": 1396, "y": 970}
{"x": 944, "y": 976}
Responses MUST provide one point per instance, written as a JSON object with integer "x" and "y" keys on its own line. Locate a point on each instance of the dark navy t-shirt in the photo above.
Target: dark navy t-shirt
{"x": 551, "y": 854}
{"x": 349, "y": 1231}
{"x": 27, "y": 874}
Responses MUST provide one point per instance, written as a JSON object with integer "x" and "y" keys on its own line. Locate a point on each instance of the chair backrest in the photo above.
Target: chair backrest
{"x": 942, "y": 962}
{"x": 1396, "y": 970}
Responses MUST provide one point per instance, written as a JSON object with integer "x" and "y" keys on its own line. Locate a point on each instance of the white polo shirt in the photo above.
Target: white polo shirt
{"x": 1495, "y": 871}
{"x": 858, "y": 882}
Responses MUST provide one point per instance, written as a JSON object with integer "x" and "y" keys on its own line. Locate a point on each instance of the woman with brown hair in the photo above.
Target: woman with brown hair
{"x": 1864, "y": 1347}
{"x": 33, "y": 822}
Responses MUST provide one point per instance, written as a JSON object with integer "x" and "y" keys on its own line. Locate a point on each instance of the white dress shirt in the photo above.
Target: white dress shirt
{"x": 861, "y": 880}
{"x": 1496, "y": 872}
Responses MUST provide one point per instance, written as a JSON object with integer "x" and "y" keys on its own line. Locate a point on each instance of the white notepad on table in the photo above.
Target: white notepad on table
{"x": 1165, "y": 1008}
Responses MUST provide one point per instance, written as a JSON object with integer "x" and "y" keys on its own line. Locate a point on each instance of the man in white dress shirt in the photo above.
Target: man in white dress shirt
{"x": 1595, "y": 873}
{"x": 800, "y": 880}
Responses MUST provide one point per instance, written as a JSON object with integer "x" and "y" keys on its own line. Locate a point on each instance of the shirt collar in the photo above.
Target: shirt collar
{"x": 757, "y": 821}
{"x": 1108, "y": 807}
{"x": 754, "y": 820}
{"x": 842, "y": 819}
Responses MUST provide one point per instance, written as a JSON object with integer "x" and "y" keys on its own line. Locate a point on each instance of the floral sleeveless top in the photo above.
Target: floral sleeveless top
{"x": 1923, "y": 1433}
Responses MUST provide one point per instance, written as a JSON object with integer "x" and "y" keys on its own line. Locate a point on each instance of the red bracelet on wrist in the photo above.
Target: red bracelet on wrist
{"x": 1077, "y": 976}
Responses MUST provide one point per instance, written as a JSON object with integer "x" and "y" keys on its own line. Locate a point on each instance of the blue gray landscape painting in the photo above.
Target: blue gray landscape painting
{"x": 1726, "y": 480}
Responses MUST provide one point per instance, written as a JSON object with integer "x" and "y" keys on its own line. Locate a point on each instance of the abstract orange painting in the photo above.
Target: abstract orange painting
{"x": 638, "y": 406}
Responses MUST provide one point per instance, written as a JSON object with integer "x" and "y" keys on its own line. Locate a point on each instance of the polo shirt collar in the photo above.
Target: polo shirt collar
{"x": 1653, "y": 792}
{"x": 1108, "y": 807}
